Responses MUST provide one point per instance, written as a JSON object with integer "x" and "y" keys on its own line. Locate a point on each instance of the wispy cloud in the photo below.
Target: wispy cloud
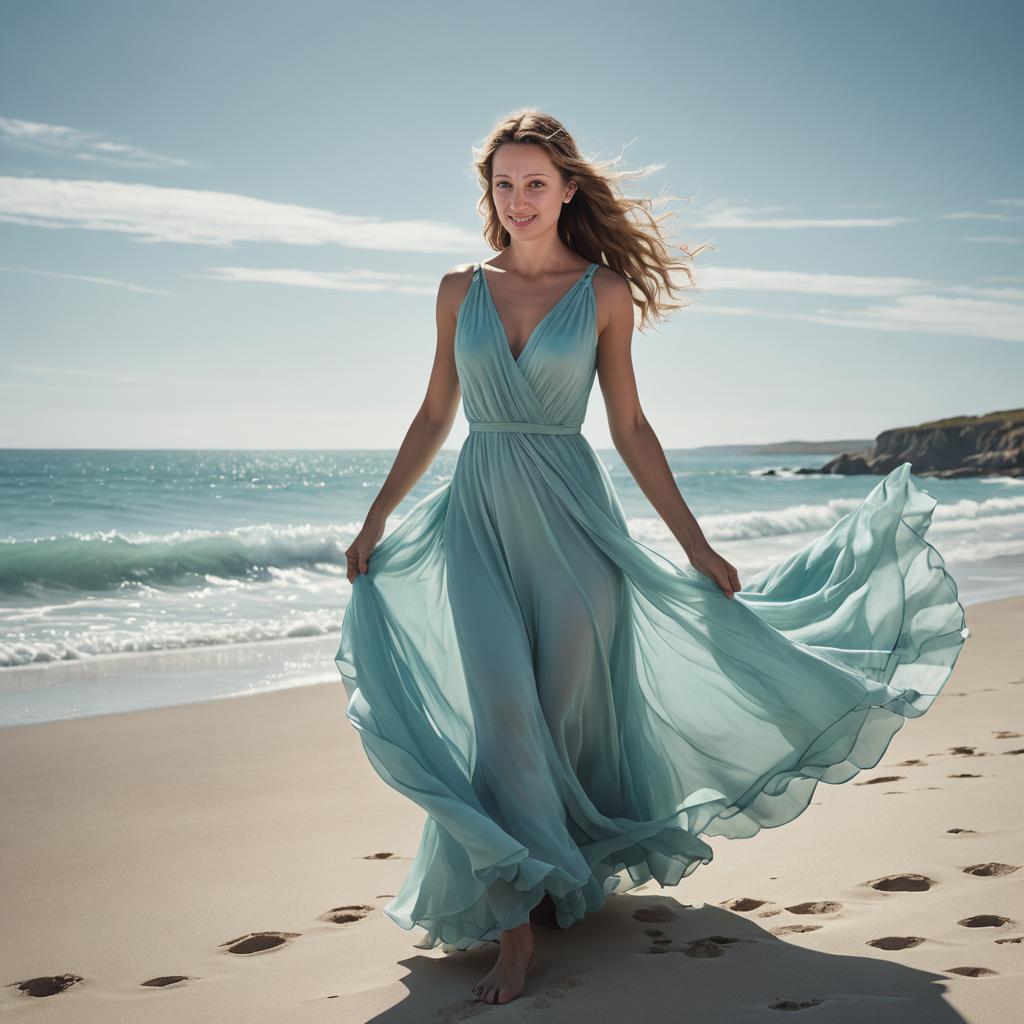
{"x": 751, "y": 280}
{"x": 730, "y": 215}
{"x": 921, "y": 314}
{"x": 934, "y": 314}
{"x": 155, "y": 214}
{"x": 75, "y": 144}
{"x": 90, "y": 279}
{"x": 1007, "y": 203}
{"x": 977, "y": 215}
{"x": 345, "y": 281}
{"x": 850, "y": 285}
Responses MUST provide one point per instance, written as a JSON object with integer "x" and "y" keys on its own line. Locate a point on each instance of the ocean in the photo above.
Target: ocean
{"x": 139, "y": 579}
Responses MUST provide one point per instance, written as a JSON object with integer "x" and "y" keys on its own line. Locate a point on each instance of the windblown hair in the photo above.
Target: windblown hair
{"x": 600, "y": 223}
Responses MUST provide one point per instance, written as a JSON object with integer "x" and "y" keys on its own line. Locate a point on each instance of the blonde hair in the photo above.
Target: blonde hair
{"x": 601, "y": 224}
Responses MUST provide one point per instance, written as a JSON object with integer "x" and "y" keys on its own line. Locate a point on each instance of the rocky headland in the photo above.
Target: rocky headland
{"x": 960, "y": 446}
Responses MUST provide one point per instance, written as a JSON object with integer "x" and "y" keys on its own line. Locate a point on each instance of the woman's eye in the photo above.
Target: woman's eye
{"x": 537, "y": 181}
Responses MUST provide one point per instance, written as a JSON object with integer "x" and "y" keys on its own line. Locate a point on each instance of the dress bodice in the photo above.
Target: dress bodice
{"x": 549, "y": 383}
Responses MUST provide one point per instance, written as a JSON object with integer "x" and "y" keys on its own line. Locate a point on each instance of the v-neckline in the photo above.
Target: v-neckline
{"x": 540, "y": 323}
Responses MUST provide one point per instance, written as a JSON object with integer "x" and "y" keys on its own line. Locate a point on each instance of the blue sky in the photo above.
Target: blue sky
{"x": 222, "y": 224}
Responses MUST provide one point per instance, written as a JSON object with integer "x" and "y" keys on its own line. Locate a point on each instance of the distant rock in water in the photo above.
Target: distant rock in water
{"x": 961, "y": 446}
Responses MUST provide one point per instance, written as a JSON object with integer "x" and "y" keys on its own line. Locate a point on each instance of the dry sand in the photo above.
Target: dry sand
{"x": 135, "y": 846}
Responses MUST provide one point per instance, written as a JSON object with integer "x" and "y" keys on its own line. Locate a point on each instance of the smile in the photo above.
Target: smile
{"x": 522, "y": 220}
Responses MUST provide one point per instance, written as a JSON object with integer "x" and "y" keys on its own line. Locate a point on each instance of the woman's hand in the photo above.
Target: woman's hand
{"x": 357, "y": 554}
{"x": 709, "y": 562}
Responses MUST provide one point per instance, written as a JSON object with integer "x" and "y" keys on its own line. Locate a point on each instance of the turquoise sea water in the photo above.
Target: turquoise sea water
{"x": 140, "y": 578}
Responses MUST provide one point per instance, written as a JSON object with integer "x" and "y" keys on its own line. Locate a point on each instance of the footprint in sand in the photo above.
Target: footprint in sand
{"x": 911, "y": 762}
{"x": 165, "y": 980}
{"x": 1011, "y": 938}
{"x": 968, "y": 751}
{"x": 703, "y": 949}
{"x": 345, "y": 915}
{"x": 881, "y": 778}
{"x": 795, "y": 929}
{"x": 711, "y": 945}
{"x": 794, "y": 1004}
{"x": 992, "y": 869}
{"x": 962, "y": 831}
{"x": 970, "y": 972}
{"x": 744, "y": 903}
{"x": 909, "y": 882}
{"x": 655, "y": 915}
{"x": 964, "y": 775}
{"x": 258, "y": 942}
{"x": 1005, "y": 734}
{"x": 657, "y": 937}
{"x": 896, "y": 942}
{"x": 984, "y": 921}
{"x": 46, "y": 986}
{"x": 378, "y": 856}
{"x": 815, "y": 908}
{"x": 1021, "y": 751}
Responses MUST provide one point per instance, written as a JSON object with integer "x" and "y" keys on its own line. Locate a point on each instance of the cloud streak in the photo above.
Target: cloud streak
{"x": 152, "y": 213}
{"x": 343, "y": 281}
{"x": 75, "y": 144}
{"x": 89, "y": 279}
{"x": 920, "y": 314}
{"x": 730, "y": 215}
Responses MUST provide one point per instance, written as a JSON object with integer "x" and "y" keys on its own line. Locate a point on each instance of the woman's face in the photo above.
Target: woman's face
{"x": 526, "y": 184}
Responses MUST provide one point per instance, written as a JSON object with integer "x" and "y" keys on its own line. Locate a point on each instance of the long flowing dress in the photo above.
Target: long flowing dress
{"x": 567, "y": 704}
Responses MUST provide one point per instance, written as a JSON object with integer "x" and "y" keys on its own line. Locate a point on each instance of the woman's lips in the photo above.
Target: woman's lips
{"x": 523, "y": 223}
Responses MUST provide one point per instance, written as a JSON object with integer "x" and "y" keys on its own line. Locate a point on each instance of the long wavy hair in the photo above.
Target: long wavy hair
{"x": 600, "y": 223}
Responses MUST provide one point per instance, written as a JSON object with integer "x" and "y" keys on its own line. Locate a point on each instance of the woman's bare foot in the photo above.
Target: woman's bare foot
{"x": 507, "y": 978}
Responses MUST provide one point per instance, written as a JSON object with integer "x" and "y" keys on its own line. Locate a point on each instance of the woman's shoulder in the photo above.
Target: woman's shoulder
{"x": 454, "y": 286}
{"x": 610, "y": 282}
{"x": 459, "y": 274}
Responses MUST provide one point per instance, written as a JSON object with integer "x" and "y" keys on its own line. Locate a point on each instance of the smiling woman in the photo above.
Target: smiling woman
{"x": 572, "y": 710}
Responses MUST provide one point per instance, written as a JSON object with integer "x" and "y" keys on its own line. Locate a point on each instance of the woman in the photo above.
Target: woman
{"x": 562, "y": 701}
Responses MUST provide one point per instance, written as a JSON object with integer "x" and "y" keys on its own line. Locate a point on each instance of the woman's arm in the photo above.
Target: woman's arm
{"x": 429, "y": 428}
{"x": 634, "y": 438}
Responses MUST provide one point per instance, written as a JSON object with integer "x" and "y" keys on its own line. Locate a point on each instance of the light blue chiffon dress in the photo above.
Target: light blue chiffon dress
{"x": 574, "y": 711}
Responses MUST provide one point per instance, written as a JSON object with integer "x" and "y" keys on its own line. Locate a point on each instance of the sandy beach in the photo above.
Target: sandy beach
{"x": 162, "y": 844}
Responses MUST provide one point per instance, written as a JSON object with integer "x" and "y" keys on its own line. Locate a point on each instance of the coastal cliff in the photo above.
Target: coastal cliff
{"x": 960, "y": 446}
